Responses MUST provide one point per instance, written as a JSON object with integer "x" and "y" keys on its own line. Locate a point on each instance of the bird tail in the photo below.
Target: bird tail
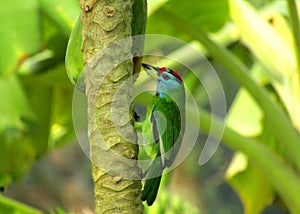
{"x": 151, "y": 186}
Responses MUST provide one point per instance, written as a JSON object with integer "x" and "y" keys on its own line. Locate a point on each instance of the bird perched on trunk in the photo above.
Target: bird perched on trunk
{"x": 163, "y": 127}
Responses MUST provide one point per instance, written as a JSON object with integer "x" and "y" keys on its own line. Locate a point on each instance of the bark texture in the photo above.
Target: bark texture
{"x": 113, "y": 148}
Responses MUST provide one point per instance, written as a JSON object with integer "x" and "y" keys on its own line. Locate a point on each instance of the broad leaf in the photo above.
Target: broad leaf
{"x": 208, "y": 15}
{"x": 274, "y": 50}
{"x": 251, "y": 185}
{"x": 62, "y": 13}
{"x": 17, "y": 123}
{"x": 20, "y": 33}
{"x": 263, "y": 40}
{"x": 74, "y": 57}
{"x": 8, "y": 205}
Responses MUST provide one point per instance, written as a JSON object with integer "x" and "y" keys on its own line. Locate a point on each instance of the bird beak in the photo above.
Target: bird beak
{"x": 151, "y": 70}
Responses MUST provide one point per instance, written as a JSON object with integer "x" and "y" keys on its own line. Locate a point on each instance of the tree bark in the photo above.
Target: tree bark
{"x": 113, "y": 148}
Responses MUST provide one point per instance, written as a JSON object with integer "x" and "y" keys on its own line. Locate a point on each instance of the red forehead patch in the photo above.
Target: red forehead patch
{"x": 176, "y": 75}
{"x": 162, "y": 69}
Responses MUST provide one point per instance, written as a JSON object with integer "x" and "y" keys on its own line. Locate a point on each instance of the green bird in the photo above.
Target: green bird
{"x": 163, "y": 127}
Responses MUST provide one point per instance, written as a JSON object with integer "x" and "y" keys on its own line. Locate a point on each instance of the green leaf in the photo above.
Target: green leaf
{"x": 50, "y": 95}
{"x": 37, "y": 63}
{"x": 13, "y": 104}
{"x": 171, "y": 203}
{"x": 61, "y": 130}
{"x": 295, "y": 24}
{"x": 74, "y": 57}
{"x": 139, "y": 10}
{"x": 155, "y": 5}
{"x": 273, "y": 50}
{"x": 245, "y": 115}
{"x": 20, "y": 33}
{"x": 252, "y": 186}
{"x": 17, "y": 123}
{"x": 248, "y": 180}
{"x": 54, "y": 44}
{"x": 263, "y": 40}
{"x": 8, "y": 205}
{"x": 199, "y": 13}
{"x": 62, "y": 13}
{"x": 33, "y": 109}
{"x": 282, "y": 126}
{"x": 196, "y": 13}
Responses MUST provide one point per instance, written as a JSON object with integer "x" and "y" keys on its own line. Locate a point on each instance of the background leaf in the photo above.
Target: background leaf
{"x": 20, "y": 32}
{"x": 258, "y": 193}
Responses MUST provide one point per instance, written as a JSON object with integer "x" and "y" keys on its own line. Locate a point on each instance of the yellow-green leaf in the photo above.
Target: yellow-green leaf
{"x": 263, "y": 40}
{"x": 74, "y": 57}
{"x": 20, "y": 33}
{"x": 251, "y": 185}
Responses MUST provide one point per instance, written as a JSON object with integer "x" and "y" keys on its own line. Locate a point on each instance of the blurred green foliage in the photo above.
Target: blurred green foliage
{"x": 11, "y": 206}
{"x": 260, "y": 36}
{"x": 36, "y": 95}
{"x": 168, "y": 204}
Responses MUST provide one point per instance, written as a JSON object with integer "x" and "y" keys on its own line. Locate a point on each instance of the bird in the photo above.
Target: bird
{"x": 163, "y": 127}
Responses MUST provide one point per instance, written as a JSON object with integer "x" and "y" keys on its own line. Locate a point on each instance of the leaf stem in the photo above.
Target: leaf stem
{"x": 282, "y": 126}
{"x": 282, "y": 177}
{"x": 8, "y": 205}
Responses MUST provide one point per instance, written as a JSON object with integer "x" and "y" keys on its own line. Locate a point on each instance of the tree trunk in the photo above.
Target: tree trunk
{"x": 109, "y": 66}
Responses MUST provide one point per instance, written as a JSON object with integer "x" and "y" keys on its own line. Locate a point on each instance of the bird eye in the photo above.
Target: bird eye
{"x": 165, "y": 76}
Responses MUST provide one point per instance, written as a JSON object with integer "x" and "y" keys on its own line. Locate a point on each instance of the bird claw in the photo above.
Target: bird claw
{"x": 136, "y": 116}
{"x": 141, "y": 173}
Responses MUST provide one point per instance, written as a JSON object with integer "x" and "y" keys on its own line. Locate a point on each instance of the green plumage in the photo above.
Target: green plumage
{"x": 162, "y": 126}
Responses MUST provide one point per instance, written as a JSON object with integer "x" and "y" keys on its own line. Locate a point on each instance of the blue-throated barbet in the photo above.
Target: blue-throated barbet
{"x": 163, "y": 126}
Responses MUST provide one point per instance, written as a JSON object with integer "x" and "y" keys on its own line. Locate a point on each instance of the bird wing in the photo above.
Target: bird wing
{"x": 167, "y": 122}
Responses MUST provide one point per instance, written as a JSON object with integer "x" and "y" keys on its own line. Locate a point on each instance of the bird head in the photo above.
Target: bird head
{"x": 168, "y": 81}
